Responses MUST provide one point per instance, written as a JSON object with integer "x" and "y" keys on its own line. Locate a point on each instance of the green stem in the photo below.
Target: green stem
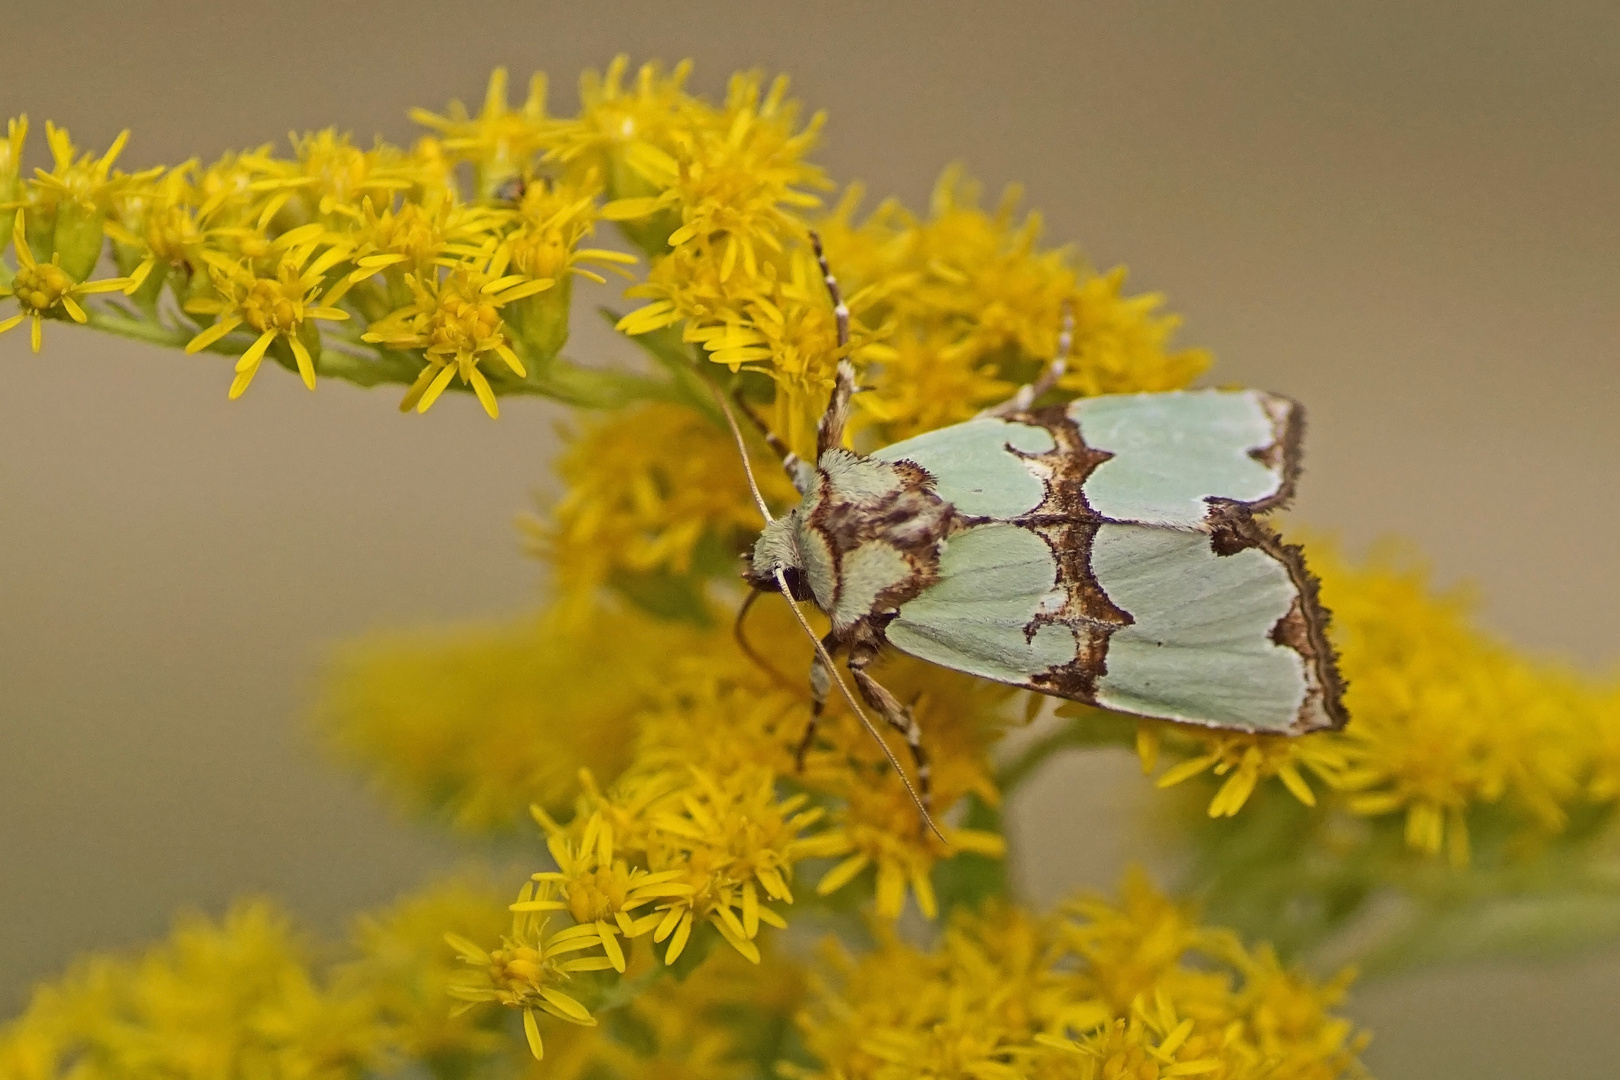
{"x": 111, "y": 322}
{"x": 559, "y": 380}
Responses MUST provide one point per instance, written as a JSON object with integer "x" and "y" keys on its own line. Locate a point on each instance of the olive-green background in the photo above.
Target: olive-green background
{"x": 1405, "y": 214}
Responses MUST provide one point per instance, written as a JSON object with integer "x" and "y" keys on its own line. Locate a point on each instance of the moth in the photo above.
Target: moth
{"x": 1105, "y": 551}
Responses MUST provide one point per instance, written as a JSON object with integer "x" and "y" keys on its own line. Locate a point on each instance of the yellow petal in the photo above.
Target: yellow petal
{"x": 748, "y": 949}
{"x": 678, "y": 941}
{"x": 485, "y": 395}
{"x": 531, "y": 1028}
{"x": 414, "y": 394}
{"x": 1186, "y": 770}
{"x": 19, "y": 243}
{"x": 565, "y": 1004}
{"x": 1296, "y": 783}
{"x": 255, "y": 352}
{"x": 672, "y": 919}
{"x": 240, "y": 384}
{"x": 842, "y": 874}
{"x": 436, "y": 387}
{"x": 610, "y": 945}
{"x": 625, "y": 209}
{"x": 306, "y": 363}
{"x": 138, "y": 278}
{"x": 467, "y": 949}
{"x": 212, "y": 334}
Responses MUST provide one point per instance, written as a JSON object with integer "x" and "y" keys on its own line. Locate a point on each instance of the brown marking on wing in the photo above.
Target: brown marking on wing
{"x": 911, "y": 519}
{"x": 1282, "y": 454}
{"x": 1304, "y": 627}
{"x": 1068, "y": 525}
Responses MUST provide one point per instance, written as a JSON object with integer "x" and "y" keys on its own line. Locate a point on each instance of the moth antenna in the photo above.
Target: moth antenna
{"x": 742, "y": 449}
{"x": 749, "y": 651}
{"x": 840, "y": 309}
{"x": 849, "y": 696}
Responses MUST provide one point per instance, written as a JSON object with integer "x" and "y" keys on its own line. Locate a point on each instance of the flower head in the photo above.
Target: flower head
{"x": 654, "y": 489}
{"x": 45, "y": 290}
{"x": 402, "y": 967}
{"x": 498, "y": 141}
{"x": 236, "y": 997}
{"x": 280, "y": 305}
{"x": 476, "y": 723}
{"x": 456, "y": 322}
{"x": 1244, "y": 759}
{"x": 529, "y": 968}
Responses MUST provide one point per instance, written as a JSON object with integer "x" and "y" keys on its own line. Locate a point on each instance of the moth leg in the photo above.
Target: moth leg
{"x": 898, "y": 716}
{"x": 797, "y": 469}
{"x": 830, "y": 431}
{"x": 821, "y": 682}
{"x": 1030, "y": 392}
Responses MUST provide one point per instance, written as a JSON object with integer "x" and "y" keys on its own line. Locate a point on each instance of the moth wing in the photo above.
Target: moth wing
{"x": 1166, "y": 627}
{"x": 973, "y": 469}
{"x": 994, "y": 582}
{"x": 1165, "y": 456}
{"x": 1169, "y": 454}
{"x": 1224, "y": 638}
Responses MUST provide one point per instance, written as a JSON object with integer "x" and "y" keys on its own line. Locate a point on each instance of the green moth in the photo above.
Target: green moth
{"x": 1105, "y": 551}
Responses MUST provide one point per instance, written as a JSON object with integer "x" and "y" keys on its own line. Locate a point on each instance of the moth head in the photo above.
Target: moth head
{"x": 776, "y": 549}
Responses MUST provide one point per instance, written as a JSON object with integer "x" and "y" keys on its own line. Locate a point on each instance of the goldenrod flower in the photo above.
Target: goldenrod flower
{"x": 1246, "y": 759}
{"x": 597, "y": 889}
{"x": 682, "y": 751}
{"x": 1446, "y": 719}
{"x": 552, "y": 220}
{"x": 879, "y": 828}
{"x": 281, "y": 305}
{"x": 656, "y": 488}
{"x": 404, "y": 970}
{"x": 1105, "y": 992}
{"x": 45, "y": 290}
{"x": 11, "y": 151}
{"x": 416, "y": 237}
{"x": 235, "y": 998}
{"x": 329, "y": 175}
{"x": 734, "y": 181}
{"x": 475, "y": 723}
{"x": 627, "y": 134}
{"x": 456, "y": 322}
{"x": 498, "y": 141}
{"x": 528, "y": 969}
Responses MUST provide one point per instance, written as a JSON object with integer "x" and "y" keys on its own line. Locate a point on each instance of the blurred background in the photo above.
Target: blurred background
{"x": 1405, "y": 215}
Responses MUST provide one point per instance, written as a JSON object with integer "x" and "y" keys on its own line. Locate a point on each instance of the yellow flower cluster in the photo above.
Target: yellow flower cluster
{"x": 1448, "y": 723}
{"x": 474, "y": 724}
{"x": 1100, "y": 991}
{"x": 247, "y": 256}
{"x": 646, "y": 520}
{"x": 968, "y": 306}
{"x": 249, "y": 998}
{"x": 234, "y": 999}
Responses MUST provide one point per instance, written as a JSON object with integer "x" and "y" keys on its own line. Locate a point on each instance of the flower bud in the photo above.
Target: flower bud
{"x": 78, "y": 238}
{"x": 540, "y": 322}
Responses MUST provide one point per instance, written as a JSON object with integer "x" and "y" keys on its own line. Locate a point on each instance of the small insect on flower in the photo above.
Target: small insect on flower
{"x": 1104, "y": 551}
